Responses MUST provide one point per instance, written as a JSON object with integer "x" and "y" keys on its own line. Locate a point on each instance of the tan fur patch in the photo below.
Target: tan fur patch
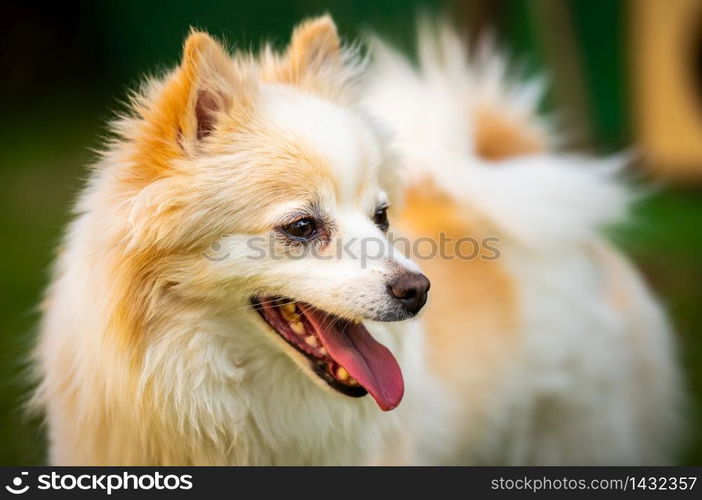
{"x": 472, "y": 312}
{"x": 499, "y": 135}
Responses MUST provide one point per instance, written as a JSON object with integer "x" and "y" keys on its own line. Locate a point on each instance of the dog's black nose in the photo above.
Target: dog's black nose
{"x": 410, "y": 289}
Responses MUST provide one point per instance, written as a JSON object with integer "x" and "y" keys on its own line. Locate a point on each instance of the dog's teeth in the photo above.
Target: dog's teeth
{"x": 342, "y": 374}
{"x": 297, "y": 327}
{"x": 311, "y": 341}
{"x": 322, "y": 351}
{"x": 289, "y": 312}
{"x": 352, "y": 381}
{"x": 289, "y": 317}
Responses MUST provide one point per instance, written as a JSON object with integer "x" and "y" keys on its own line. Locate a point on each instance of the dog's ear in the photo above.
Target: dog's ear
{"x": 178, "y": 115}
{"x": 207, "y": 82}
{"x": 314, "y": 47}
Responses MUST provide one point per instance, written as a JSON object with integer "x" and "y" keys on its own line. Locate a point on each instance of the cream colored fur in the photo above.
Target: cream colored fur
{"x": 150, "y": 353}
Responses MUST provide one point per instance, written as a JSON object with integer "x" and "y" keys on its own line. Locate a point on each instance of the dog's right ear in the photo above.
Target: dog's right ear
{"x": 191, "y": 103}
{"x": 207, "y": 83}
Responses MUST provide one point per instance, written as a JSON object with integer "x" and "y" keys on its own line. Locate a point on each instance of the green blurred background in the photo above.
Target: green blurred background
{"x": 66, "y": 67}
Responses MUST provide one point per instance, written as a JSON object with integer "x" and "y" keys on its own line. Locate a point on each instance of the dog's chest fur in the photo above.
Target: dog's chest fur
{"x": 237, "y": 400}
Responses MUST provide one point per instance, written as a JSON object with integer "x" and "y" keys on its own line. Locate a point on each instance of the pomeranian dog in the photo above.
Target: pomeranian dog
{"x": 209, "y": 306}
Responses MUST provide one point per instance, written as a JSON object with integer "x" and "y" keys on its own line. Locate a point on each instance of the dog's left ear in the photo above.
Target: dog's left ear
{"x": 314, "y": 47}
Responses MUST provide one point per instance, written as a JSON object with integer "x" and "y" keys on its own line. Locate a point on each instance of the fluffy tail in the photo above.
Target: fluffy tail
{"x": 567, "y": 316}
{"x": 468, "y": 122}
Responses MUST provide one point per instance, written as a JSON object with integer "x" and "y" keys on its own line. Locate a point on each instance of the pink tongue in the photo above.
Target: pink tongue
{"x": 368, "y": 361}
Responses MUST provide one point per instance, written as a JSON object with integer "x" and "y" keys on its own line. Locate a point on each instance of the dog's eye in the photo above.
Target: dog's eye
{"x": 380, "y": 217}
{"x": 303, "y": 228}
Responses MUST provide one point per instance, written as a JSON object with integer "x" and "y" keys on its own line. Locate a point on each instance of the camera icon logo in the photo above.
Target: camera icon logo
{"x": 16, "y": 488}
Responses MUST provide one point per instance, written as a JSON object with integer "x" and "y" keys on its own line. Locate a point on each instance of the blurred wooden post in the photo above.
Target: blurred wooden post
{"x": 554, "y": 29}
{"x": 666, "y": 40}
